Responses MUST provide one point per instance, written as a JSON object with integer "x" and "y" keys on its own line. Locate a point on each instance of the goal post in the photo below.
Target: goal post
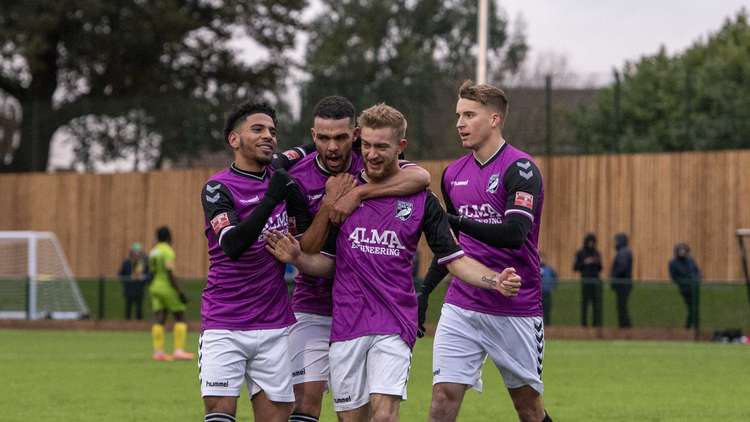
{"x": 35, "y": 279}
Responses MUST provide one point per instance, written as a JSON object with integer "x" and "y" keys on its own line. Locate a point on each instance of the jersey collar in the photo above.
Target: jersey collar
{"x": 251, "y": 174}
{"x": 492, "y": 157}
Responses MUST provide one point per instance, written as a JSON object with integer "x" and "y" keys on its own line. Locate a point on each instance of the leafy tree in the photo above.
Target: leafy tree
{"x": 120, "y": 71}
{"x": 412, "y": 54}
{"x": 698, "y": 99}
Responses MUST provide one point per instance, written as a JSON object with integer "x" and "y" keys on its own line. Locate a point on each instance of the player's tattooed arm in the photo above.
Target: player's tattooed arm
{"x": 336, "y": 187}
{"x": 408, "y": 180}
{"x": 286, "y": 249}
{"x": 475, "y": 273}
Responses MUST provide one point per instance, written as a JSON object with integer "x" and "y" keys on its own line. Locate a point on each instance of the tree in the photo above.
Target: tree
{"x": 411, "y": 54}
{"x": 695, "y": 100}
{"x": 161, "y": 68}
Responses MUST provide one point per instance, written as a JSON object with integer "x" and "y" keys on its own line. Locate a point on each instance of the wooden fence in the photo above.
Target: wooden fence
{"x": 657, "y": 199}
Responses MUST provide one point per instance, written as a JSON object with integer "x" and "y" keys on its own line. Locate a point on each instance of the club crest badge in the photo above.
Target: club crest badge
{"x": 493, "y": 183}
{"x": 403, "y": 210}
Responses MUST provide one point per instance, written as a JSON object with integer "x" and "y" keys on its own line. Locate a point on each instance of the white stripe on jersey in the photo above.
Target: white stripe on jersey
{"x": 522, "y": 212}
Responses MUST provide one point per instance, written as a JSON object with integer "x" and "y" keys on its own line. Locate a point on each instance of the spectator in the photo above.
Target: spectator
{"x": 134, "y": 275}
{"x": 549, "y": 283}
{"x": 622, "y": 278}
{"x": 589, "y": 263}
{"x": 686, "y": 274}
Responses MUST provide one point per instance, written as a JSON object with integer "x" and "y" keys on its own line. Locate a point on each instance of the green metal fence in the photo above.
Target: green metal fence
{"x": 655, "y": 304}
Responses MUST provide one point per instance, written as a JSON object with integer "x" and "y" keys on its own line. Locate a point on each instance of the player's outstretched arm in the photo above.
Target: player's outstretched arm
{"x": 475, "y": 273}
{"x": 286, "y": 249}
{"x": 408, "y": 180}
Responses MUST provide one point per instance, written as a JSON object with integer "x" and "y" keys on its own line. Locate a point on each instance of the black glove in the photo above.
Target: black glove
{"x": 278, "y": 186}
{"x": 422, "y": 299}
{"x": 455, "y": 222}
{"x": 183, "y": 298}
{"x": 434, "y": 276}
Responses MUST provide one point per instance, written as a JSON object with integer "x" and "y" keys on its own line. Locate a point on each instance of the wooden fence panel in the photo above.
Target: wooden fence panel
{"x": 657, "y": 199}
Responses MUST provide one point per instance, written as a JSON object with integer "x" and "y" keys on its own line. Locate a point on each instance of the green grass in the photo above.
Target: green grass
{"x": 94, "y": 376}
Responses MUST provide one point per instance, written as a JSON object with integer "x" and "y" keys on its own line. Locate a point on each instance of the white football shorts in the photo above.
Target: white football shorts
{"x": 377, "y": 364}
{"x": 465, "y": 338}
{"x": 260, "y": 358}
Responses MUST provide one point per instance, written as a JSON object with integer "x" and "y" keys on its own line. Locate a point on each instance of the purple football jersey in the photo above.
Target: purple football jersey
{"x": 508, "y": 183}
{"x": 313, "y": 294}
{"x": 249, "y": 293}
{"x": 373, "y": 291}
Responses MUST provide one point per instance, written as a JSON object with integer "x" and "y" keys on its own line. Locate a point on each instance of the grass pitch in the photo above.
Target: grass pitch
{"x": 95, "y": 376}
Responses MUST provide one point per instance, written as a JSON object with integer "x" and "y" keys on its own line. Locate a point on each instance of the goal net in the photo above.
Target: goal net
{"x": 35, "y": 279}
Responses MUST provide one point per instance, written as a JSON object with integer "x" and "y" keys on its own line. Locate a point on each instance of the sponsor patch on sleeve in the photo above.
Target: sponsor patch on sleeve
{"x": 292, "y": 154}
{"x": 219, "y": 222}
{"x": 524, "y": 199}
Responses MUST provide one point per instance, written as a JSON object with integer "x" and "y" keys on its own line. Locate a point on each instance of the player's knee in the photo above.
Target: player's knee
{"x": 444, "y": 397}
{"x": 385, "y": 414}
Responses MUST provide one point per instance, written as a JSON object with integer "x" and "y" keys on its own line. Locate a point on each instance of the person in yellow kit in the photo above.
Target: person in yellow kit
{"x": 166, "y": 297}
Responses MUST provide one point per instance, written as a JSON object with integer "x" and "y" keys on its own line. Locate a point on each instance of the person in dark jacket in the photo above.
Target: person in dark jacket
{"x": 622, "y": 278}
{"x": 134, "y": 275}
{"x": 589, "y": 263}
{"x": 685, "y": 273}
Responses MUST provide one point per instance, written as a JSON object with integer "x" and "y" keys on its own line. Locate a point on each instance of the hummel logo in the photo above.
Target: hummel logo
{"x": 540, "y": 348}
{"x": 539, "y": 370}
{"x": 524, "y": 166}
{"x": 436, "y": 372}
{"x": 346, "y": 399}
{"x": 213, "y": 199}
{"x": 298, "y": 373}
{"x": 217, "y": 384}
{"x": 539, "y": 337}
{"x": 314, "y": 197}
{"x": 526, "y": 174}
{"x": 538, "y": 327}
{"x": 212, "y": 189}
{"x": 250, "y": 201}
{"x": 460, "y": 182}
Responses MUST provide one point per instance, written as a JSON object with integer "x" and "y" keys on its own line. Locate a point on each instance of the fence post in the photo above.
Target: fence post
{"x": 100, "y": 311}
{"x": 695, "y": 307}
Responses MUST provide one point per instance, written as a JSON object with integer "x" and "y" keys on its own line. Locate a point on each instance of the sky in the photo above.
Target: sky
{"x": 597, "y": 35}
